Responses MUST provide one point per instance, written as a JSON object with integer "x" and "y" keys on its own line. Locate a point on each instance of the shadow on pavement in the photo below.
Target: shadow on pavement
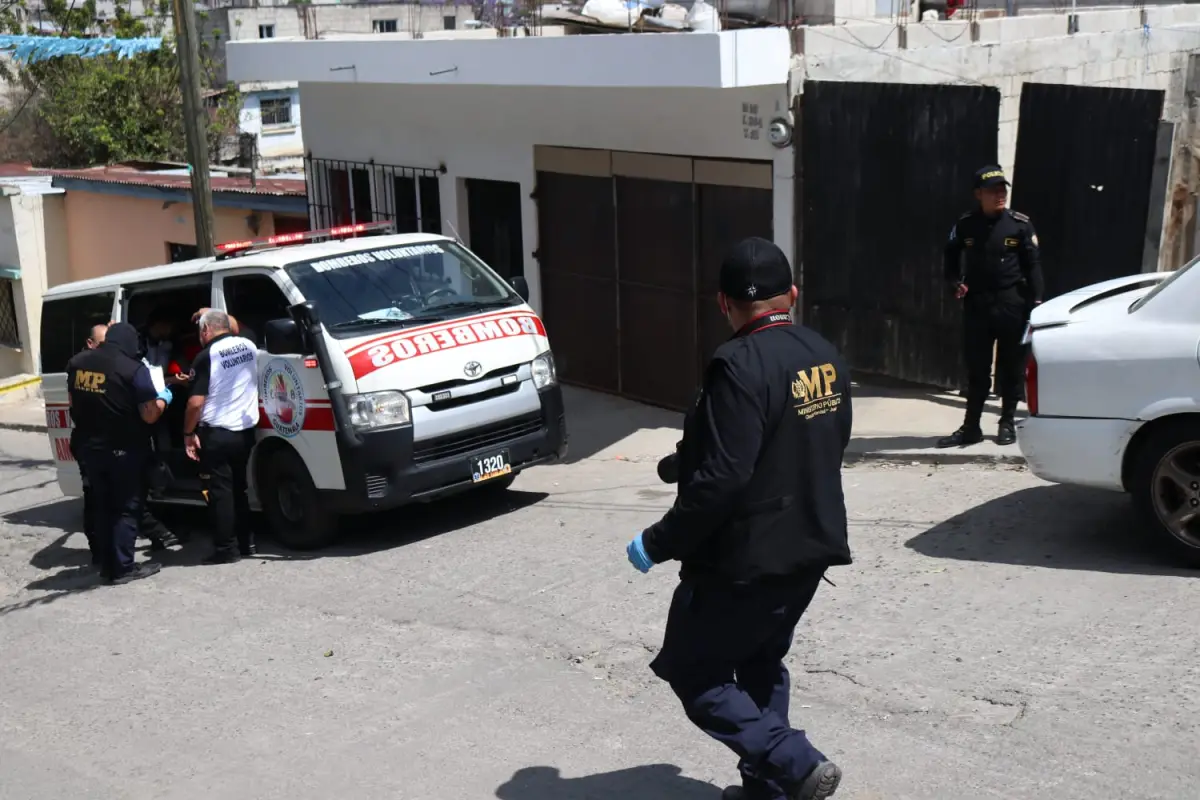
{"x": 650, "y": 782}
{"x": 597, "y": 421}
{"x": 1060, "y": 527}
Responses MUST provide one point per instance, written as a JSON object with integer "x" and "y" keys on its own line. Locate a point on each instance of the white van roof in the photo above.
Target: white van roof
{"x": 276, "y": 257}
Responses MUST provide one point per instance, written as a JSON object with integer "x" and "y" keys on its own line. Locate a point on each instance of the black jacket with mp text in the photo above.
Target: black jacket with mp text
{"x": 760, "y": 464}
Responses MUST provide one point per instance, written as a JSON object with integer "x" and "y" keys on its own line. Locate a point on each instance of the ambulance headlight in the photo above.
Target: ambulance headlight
{"x": 378, "y": 409}
{"x": 543, "y": 371}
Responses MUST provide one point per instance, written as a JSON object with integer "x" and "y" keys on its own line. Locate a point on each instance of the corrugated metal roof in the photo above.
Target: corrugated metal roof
{"x": 120, "y": 174}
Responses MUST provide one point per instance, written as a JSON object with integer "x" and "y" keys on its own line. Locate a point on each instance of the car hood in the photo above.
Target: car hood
{"x": 1098, "y": 301}
{"x": 466, "y": 347}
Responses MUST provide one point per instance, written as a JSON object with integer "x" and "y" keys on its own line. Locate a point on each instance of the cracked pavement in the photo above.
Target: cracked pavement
{"x": 997, "y": 637}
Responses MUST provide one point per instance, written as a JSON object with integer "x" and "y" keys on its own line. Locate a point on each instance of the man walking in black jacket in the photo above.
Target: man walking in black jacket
{"x": 758, "y": 518}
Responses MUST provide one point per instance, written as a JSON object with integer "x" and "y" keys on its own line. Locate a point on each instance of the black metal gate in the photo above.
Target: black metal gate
{"x": 1085, "y": 158}
{"x": 886, "y": 171}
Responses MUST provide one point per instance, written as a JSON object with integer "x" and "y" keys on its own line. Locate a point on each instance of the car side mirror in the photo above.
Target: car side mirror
{"x": 520, "y": 286}
{"x": 284, "y": 337}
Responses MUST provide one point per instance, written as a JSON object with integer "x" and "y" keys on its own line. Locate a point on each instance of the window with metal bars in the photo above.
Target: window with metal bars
{"x": 349, "y": 192}
{"x": 10, "y": 332}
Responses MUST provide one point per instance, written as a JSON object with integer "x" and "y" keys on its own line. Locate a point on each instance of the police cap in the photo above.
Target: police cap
{"x": 989, "y": 176}
{"x": 755, "y": 269}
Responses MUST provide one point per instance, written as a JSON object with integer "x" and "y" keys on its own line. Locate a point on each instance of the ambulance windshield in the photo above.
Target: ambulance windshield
{"x": 397, "y": 286}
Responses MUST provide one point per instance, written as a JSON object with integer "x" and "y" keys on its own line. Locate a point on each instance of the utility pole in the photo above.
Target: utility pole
{"x": 195, "y": 123}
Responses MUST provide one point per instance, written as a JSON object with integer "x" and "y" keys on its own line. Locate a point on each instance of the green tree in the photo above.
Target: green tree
{"x": 72, "y": 111}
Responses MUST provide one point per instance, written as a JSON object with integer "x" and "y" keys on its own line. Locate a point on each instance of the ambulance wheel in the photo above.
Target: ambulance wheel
{"x": 293, "y": 504}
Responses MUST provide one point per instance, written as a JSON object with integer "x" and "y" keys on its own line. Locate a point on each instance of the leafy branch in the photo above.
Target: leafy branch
{"x": 74, "y": 111}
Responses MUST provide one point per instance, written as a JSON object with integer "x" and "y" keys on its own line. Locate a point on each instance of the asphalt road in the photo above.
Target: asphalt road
{"x": 996, "y": 638}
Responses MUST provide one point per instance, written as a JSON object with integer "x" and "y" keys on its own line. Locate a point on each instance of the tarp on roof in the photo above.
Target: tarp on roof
{"x": 31, "y": 49}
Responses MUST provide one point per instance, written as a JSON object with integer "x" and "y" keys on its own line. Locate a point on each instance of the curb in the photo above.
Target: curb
{"x": 25, "y": 384}
{"x": 23, "y": 427}
{"x": 935, "y": 459}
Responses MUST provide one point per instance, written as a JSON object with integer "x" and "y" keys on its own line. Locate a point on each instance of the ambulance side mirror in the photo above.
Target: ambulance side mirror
{"x": 520, "y": 286}
{"x": 283, "y": 337}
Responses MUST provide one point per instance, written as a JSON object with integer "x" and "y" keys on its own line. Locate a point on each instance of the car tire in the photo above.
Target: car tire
{"x": 1165, "y": 478}
{"x": 293, "y": 506}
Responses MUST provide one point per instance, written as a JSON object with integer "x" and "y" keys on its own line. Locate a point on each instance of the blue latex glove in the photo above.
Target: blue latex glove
{"x": 637, "y": 555}
{"x": 166, "y": 396}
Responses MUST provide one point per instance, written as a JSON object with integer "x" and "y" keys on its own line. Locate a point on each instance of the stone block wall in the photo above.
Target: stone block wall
{"x": 1111, "y": 48}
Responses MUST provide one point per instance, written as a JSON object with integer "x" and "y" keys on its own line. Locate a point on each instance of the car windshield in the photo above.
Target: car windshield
{"x": 398, "y": 286}
{"x": 1163, "y": 284}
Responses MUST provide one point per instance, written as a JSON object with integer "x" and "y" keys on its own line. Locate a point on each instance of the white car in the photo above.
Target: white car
{"x": 1113, "y": 388}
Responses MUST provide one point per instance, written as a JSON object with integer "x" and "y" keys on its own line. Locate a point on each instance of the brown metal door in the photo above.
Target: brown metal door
{"x": 734, "y": 202}
{"x": 657, "y": 278}
{"x": 577, "y": 258}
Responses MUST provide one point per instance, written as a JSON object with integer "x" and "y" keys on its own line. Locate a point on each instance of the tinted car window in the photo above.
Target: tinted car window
{"x": 66, "y": 324}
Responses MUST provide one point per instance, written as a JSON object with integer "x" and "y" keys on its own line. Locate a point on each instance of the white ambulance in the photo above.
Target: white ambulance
{"x": 392, "y": 369}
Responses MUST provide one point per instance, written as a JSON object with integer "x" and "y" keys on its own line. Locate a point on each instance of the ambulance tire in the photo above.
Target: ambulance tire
{"x": 293, "y": 505}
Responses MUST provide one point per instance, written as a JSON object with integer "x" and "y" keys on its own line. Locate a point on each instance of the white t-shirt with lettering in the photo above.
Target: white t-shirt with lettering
{"x": 226, "y": 373}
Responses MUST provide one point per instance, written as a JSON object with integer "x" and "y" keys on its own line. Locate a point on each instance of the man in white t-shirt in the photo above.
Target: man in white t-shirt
{"x": 219, "y": 431}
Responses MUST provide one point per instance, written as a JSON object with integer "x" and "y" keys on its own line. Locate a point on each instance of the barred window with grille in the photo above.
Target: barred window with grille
{"x": 10, "y": 333}
{"x": 276, "y": 111}
{"x": 347, "y": 192}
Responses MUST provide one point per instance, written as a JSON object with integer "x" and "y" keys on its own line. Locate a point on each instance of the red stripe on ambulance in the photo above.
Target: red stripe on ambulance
{"x": 414, "y": 344}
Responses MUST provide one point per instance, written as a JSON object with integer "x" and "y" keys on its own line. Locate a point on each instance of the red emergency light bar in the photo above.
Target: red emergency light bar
{"x": 227, "y": 249}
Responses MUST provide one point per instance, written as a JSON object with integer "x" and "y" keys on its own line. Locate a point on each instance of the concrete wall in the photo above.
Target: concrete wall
{"x": 313, "y": 21}
{"x": 280, "y": 147}
{"x": 1112, "y": 48}
{"x": 490, "y": 132}
{"x": 27, "y": 236}
{"x": 109, "y": 233}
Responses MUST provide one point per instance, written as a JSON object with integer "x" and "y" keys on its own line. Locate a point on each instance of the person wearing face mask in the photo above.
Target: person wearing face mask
{"x": 113, "y": 402}
{"x": 758, "y": 517}
{"x": 993, "y": 265}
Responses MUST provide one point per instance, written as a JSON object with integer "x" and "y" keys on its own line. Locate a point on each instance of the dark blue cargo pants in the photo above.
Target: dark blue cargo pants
{"x": 115, "y": 478}
{"x": 723, "y": 656}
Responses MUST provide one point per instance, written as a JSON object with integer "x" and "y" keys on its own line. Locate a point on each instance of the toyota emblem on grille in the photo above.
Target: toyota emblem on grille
{"x": 473, "y": 369}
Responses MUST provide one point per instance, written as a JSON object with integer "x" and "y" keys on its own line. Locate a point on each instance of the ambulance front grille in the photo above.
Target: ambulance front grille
{"x": 458, "y": 444}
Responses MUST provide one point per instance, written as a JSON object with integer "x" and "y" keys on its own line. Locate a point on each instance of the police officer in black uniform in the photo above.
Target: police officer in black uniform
{"x": 113, "y": 402}
{"x": 758, "y": 518}
{"x": 993, "y": 265}
{"x": 94, "y": 340}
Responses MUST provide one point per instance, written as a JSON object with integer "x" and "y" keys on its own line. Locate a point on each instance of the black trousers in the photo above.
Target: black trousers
{"x": 994, "y": 320}
{"x": 224, "y": 456}
{"x": 722, "y": 655}
{"x": 89, "y": 512}
{"x": 116, "y": 485}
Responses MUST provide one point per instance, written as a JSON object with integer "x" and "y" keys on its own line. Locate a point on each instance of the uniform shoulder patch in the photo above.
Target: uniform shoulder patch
{"x": 1018, "y": 216}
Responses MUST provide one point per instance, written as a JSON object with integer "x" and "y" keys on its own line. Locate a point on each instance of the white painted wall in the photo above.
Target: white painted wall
{"x": 280, "y": 147}
{"x": 1111, "y": 49}
{"x": 490, "y": 132}
{"x": 24, "y": 243}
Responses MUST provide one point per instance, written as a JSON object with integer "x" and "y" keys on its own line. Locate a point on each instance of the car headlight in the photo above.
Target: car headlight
{"x": 378, "y": 409}
{"x": 543, "y": 371}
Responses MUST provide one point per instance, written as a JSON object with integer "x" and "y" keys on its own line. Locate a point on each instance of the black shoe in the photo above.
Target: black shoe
{"x": 221, "y": 558}
{"x": 962, "y": 437}
{"x": 164, "y": 542}
{"x": 733, "y": 793}
{"x": 248, "y": 550}
{"x": 143, "y": 570}
{"x": 1007, "y": 434}
{"x": 822, "y": 782}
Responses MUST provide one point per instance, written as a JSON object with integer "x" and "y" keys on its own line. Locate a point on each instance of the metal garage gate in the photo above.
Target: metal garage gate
{"x": 885, "y": 171}
{"x": 630, "y": 246}
{"x": 1083, "y": 174}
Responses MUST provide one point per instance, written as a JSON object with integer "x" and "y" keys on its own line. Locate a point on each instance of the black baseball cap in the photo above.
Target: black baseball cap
{"x": 989, "y": 176}
{"x": 755, "y": 269}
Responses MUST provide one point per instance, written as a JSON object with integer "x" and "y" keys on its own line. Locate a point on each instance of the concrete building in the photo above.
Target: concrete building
{"x": 611, "y": 170}
{"x": 324, "y": 20}
{"x": 271, "y": 114}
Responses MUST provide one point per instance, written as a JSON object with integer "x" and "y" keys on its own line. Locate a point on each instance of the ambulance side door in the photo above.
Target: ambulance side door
{"x": 66, "y": 325}
{"x": 293, "y": 403}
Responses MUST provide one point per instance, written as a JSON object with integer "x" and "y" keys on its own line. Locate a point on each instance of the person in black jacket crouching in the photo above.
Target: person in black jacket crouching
{"x": 758, "y": 518}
